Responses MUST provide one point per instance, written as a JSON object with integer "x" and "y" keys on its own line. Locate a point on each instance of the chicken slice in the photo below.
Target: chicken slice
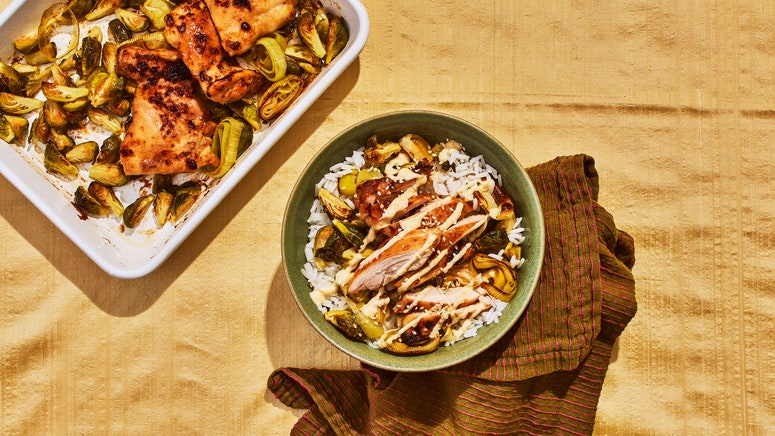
{"x": 241, "y": 23}
{"x": 190, "y": 30}
{"x": 434, "y": 296}
{"x": 171, "y": 130}
{"x": 402, "y": 254}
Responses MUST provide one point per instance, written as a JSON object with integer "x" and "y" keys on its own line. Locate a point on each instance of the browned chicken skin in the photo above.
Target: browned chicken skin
{"x": 190, "y": 30}
{"x": 170, "y": 131}
{"x": 241, "y": 23}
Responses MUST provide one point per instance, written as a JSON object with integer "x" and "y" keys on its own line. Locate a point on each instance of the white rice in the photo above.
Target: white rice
{"x": 465, "y": 170}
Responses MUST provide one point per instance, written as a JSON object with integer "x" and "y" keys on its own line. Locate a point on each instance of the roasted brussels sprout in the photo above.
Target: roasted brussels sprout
{"x": 119, "y": 31}
{"x": 55, "y": 115}
{"x": 84, "y": 152}
{"x": 309, "y": 33}
{"x": 393, "y": 345}
{"x": 109, "y": 150}
{"x": 58, "y": 16}
{"x": 335, "y": 207}
{"x": 62, "y": 93}
{"x": 162, "y": 182}
{"x": 248, "y": 112}
{"x": 56, "y": 163}
{"x": 111, "y": 174}
{"x": 18, "y": 105}
{"x": 132, "y": 21}
{"x": 162, "y": 204}
{"x": 80, "y": 8}
{"x": 105, "y": 120}
{"x": 185, "y": 197}
{"x": 26, "y": 43}
{"x": 135, "y": 212}
{"x": 105, "y": 195}
{"x": 492, "y": 242}
{"x": 10, "y": 79}
{"x": 86, "y": 202}
{"x": 90, "y": 55}
{"x": 279, "y": 96}
{"x": 350, "y": 232}
{"x": 337, "y": 38}
{"x": 13, "y": 128}
{"x": 103, "y": 8}
{"x": 61, "y": 140}
{"x": 377, "y": 153}
{"x": 105, "y": 87}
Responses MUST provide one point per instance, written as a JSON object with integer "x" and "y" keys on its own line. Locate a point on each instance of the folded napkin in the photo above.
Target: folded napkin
{"x": 543, "y": 377}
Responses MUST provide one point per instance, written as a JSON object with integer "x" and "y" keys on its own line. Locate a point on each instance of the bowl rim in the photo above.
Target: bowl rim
{"x": 325, "y": 158}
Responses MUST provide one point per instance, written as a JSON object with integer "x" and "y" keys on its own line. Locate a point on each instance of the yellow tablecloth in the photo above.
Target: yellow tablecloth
{"x": 674, "y": 100}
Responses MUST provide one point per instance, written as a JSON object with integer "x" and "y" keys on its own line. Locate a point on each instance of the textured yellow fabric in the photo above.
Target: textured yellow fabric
{"x": 676, "y": 102}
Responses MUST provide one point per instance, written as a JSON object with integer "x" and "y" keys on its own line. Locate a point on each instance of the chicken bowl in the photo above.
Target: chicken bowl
{"x": 413, "y": 241}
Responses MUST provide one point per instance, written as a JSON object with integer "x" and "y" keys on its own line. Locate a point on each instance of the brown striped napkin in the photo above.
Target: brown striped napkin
{"x": 543, "y": 377}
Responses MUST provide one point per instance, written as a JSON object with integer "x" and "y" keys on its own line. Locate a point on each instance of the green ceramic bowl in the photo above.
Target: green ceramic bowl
{"x": 434, "y": 127}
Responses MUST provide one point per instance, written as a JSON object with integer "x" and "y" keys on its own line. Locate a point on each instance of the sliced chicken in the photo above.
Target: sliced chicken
{"x": 434, "y": 296}
{"x": 241, "y": 23}
{"x": 400, "y": 255}
{"x": 171, "y": 129}
{"x": 190, "y": 30}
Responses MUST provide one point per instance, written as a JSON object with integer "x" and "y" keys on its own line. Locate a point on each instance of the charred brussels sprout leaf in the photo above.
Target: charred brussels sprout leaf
{"x": 56, "y": 163}
{"x": 135, "y": 212}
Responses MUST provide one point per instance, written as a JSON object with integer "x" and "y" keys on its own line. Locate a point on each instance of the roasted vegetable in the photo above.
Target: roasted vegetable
{"x": 80, "y": 8}
{"x": 226, "y": 144}
{"x": 10, "y": 79}
{"x": 84, "y": 152}
{"x": 185, "y": 197}
{"x": 337, "y": 38}
{"x": 156, "y": 10}
{"x": 111, "y": 174}
{"x": 344, "y": 321}
{"x": 57, "y": 16}
{"x": 416, "y": 146}
{"x": 346, "y": 184}
{"x": 119, "y": 31}
{"x": 105, "y": 120}
{"x": 335, "y": 207}
{"x": 18, "y": 105}
{"x": 279, "y": 96}
{"x": 86, "y": 202}
{"x": 90, "y": 55}
{"x": 248, "y": 112}
{"x": 309, "y": 33}
{"x": 105, "y": 87}
{"x": 492, "y": 242}
{"x": 270, "y": 58}
{"x": 135, "y": 212}
{"x": 62, "y": 93}
{"x": 393, "y": 345}
{"x": 329, "y": 245}
{"x": 109, "y": 150}
{"x": 55, "y": 115}
{"x": 56, "y": 163}
{"x": 132, "y": 21}
{"x": 350, "y": 232}
{"x": 162, "y": 204}
{"x": 13, "y": 128}
{"x": 27, "y": 42}
{"x": 376, "y": 153}
{"x": 500, "y": 278}
{"x": 61, "y": 140}
{"x": 103, "y": 8}
{"x": 105, "y": 195}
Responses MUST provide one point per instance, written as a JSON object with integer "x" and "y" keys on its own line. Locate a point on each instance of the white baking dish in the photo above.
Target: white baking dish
{"x": 132, "y": 254}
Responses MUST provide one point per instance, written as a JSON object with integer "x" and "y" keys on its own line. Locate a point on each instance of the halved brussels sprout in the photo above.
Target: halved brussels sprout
{"x": 105, "y": 88}
{"x": 135, "y": 212}
{"x": 105, "y": 120}
{"x": 26, "y": 43}
{"x": 337, "y": 38}
{"x": 61, "y": 140}
{"x": 13, "y": 128}
{"x": 105, "y": 195}
{"x": 344, "y": 321}
{"x": 111, "y": 174}
{"x": 103, "y": 8}
{"x": 55, "y": 115}
{"x": 86, "y": 202}
{"x": 393, "y": 345}
{"x": 279, "y": 96}
{"x": 109, "y": 56}
{"x": 335, "y": 207}
{"x": 110, "y": 150}
{"x": 309, "y": 33}
{"x": 350, "y": 231}
{"x": 329, "y": 245}
{"x": 248, "y": 112}
{"x": 56, "y": 163}
{"x": 90, "y": 55}
{"x": 62, "y": 93}
{"x": 133, "y": 21}
{"x": 10, "y": 79}
{"x": 43, "y": 56}
{"x": 119, "y": 31}
{"x": 376, "y": 153}
{"x": 162, "y": 204}
{"x": 18, "y": 105}
{"x": 416, "y": 146}
{"x": 84, "y": 152}
{"x": 492, "y": 241}
{"x": 185, "y": 197}
{"x": 80, "y": 8}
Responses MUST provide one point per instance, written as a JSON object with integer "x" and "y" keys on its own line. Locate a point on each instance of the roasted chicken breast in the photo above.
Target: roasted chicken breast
{"x": 241, "y": 23}
{"x": 190, "y": 30}
{"x": 171, "y": 130}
